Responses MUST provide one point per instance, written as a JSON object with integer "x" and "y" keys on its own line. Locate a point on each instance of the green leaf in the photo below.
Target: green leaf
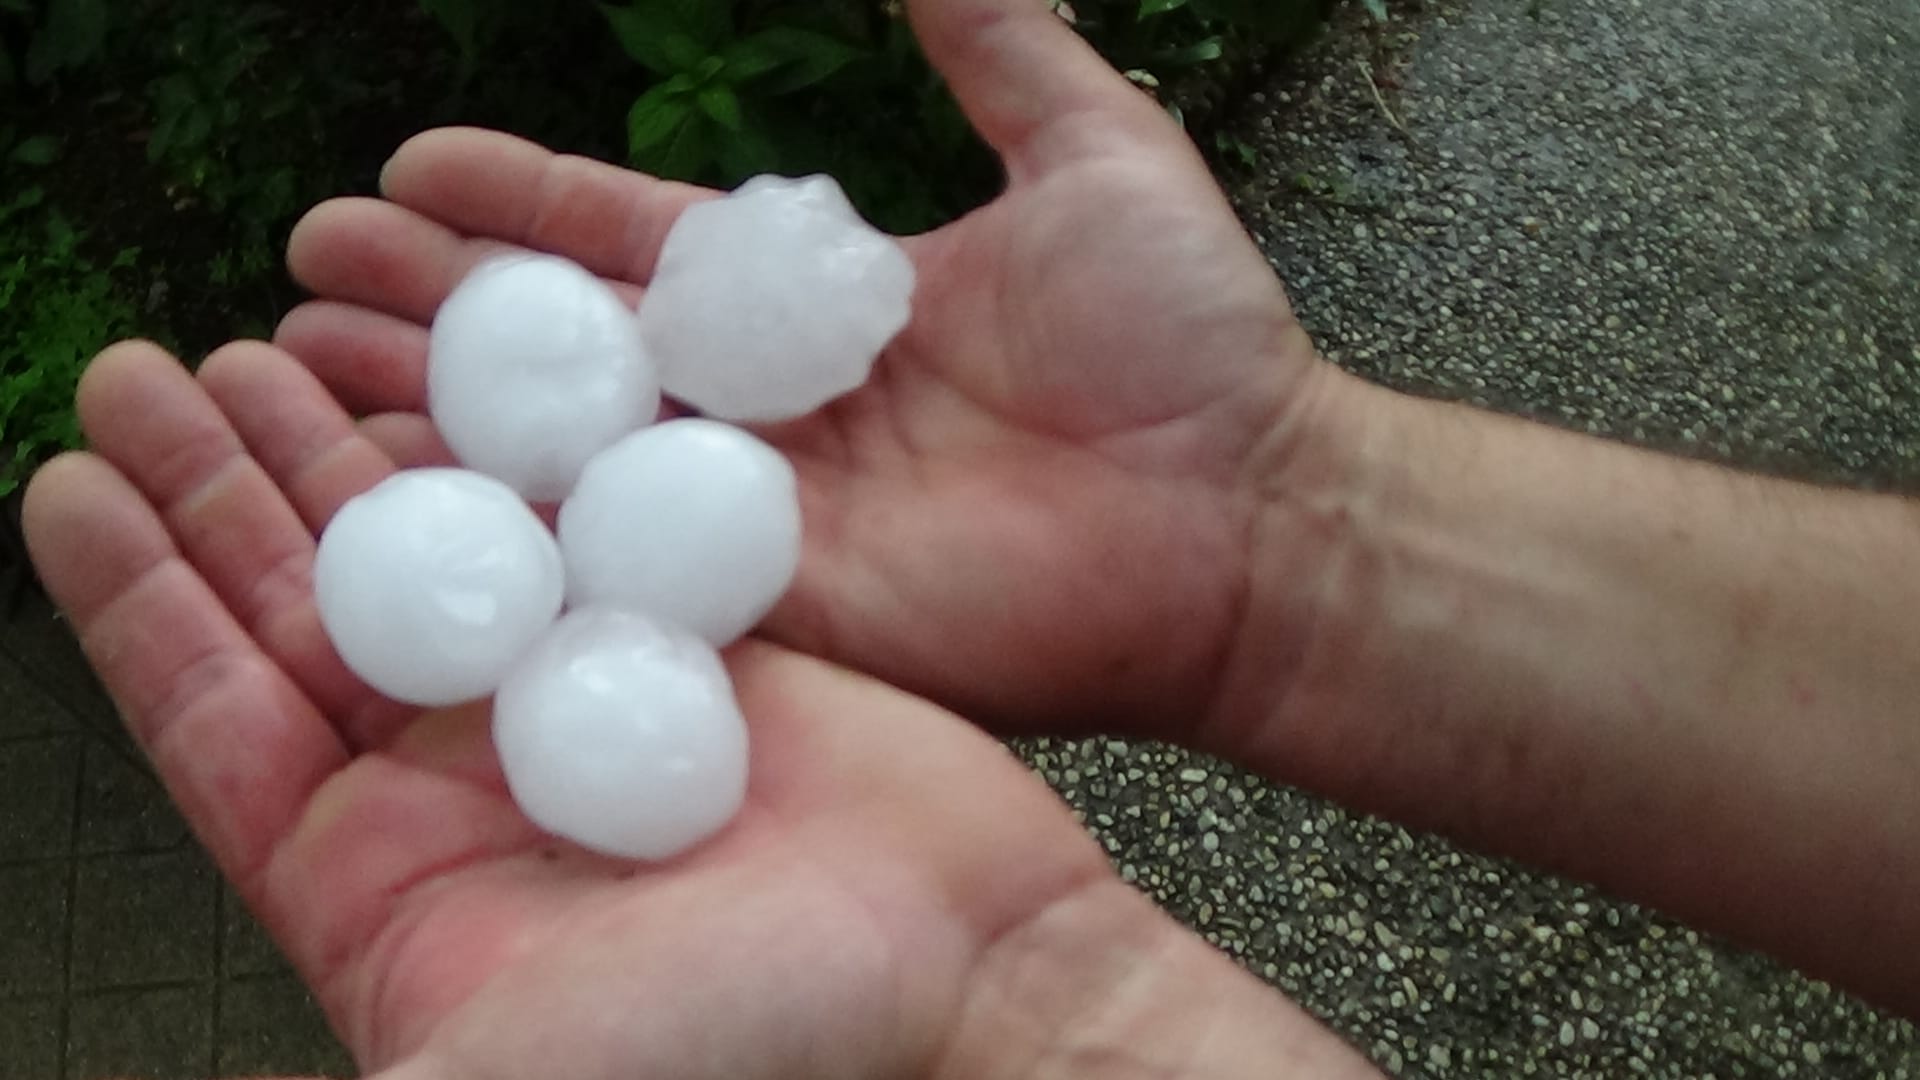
{"x": 748, "y": 59}
{"x": 655, "y": 117}
{"x": 1150, "y": 8}
{"x": 650, "y": 32}
{"x": 719, "y": 101}
{"x": 1199, "y": 52}
{"x": 71, "y": 37}
{"x": 804, "y": 58}
{"x": 38, "y": 150}
{"x": 708, "y": 22}
{"x": 1376, "y": 8}
{"x": 746, "y": 153}
{"x": 689, "y": 154}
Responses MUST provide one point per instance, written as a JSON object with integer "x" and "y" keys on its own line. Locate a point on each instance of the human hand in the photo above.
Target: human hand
{"x": 1040, "y": 510}
{"x": 898, "y": 897}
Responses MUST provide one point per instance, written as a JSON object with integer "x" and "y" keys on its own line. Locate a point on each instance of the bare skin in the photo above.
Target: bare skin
{"x": 1697, "y": 688}
{"x": 1106, "y": 481}
{"x": 899, "y": 897}
{"x": 1094, "y": 357}
{"x": 1102, "y": 480}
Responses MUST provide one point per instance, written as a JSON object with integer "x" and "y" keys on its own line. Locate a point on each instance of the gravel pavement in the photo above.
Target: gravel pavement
{"x": 1692, "y": 224}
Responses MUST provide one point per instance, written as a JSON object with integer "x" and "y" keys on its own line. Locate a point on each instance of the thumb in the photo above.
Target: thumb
{"x": 1034, "y": 90}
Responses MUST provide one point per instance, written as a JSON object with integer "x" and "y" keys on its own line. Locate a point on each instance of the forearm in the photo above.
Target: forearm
{"x": 1696, "y": 688}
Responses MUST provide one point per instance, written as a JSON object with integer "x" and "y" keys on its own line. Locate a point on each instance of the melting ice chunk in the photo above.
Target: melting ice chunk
{"x": 534, "y": 365}
{"x": 772, "y": 301}
{"x": 692, "y": 522}
{"x": 433, "y": 582}
{"x": 622, "y": 735}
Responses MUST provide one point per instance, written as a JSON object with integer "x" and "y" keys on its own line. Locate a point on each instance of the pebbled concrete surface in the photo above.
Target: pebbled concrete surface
{"x": 1693, "y": 224}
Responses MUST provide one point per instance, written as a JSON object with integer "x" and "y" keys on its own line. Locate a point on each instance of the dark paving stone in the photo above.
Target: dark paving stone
{"x": 37, "y": 780}
{"x": 155, "y": 1034}
{"x": 25, "y": 709}
{"x": 248, "y": 948}
{"x": 144, "y": 919}
{"x": 123, "y": 807}
{"x": 39, "y": 641}
{"x": 273, "y": 1027}
{"x": 30, "y": 1039}
{"x": 33, "y": 928}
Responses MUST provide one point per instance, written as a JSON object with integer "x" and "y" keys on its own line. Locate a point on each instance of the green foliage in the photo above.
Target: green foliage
{"x": 232, "y": 124}
{"x": 710, "y": 114}
{"x": 474, "y": 25}
{"x": 60, "y": 309}
{"x": 250, "y": 110}
{"x": 58, "y": 35}
{"x": 209, "y": 107}
{"x": 713, "y": 91}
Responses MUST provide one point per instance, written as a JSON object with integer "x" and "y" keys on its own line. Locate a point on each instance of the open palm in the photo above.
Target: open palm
{"x": 1038, "y": 511}
{"x": 834, "y": 929}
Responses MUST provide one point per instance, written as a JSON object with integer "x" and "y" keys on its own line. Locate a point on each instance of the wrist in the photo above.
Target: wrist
{"x": 1305, "y": 494}
{"x": 1104, "y": 983}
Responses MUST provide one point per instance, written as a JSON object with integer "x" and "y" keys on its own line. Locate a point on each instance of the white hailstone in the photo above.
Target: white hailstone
{"x": 772, "y": 301}
{"x": 533, "y": 366}
{"x": 693, "y": 522}
{"x": 432, "y": 583}
{"x": 621, "y": 734}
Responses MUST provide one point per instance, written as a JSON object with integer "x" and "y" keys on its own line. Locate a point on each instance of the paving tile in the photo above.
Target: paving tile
{"x": 123, "y": 807}
{"x": 25, "y": 709}
{"x": 248, "y": 948}
{"x": 154, "y": 1034}
{"x": 144, "y": 919}
{"x": 33, "y": 928}
{"x": 30, "y": 1039}
{"x": 273, "y": 1027}
{"x": 37, "y": 779}
{"x": 41, "y": 642}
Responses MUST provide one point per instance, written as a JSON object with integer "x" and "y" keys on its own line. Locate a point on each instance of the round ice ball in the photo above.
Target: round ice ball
{"x": 772, "y": 301}
{"x": 533, "y": 366}
{"x": 621, "y": 734}
{"x": 693, "y": 522}
{"x": 433, "y": 582}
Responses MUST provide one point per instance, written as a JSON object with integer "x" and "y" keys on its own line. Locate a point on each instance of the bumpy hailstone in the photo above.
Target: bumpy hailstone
{"x": 693, "y": 522}
{"x": 535, "y": 365}
{"x": 432, "y": 583}
{"x": 621, "y": 734}
{"x": 772, "y": 301}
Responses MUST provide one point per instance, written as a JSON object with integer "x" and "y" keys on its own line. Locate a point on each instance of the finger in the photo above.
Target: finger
{"x": 240, "y": 748}
{"x": 381, "y": 256}
{"x": 483, "y": 183}
{"x": 146, "y": 415}
{"x": 1034, "y": 90}
{"x": 387, "y": 258}
{"x": 408, "y": 439}
{"x": 371, "y": 362}
{"x": 297, "y": 433}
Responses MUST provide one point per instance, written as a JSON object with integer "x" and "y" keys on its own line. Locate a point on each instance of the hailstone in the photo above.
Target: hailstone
{"x": 772, "y": 301}
{"x": 693, "y": 522}
{"x": 533, "y": 366}
{"x": 621, "y": 734}
{"x": 433, "y": 582}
